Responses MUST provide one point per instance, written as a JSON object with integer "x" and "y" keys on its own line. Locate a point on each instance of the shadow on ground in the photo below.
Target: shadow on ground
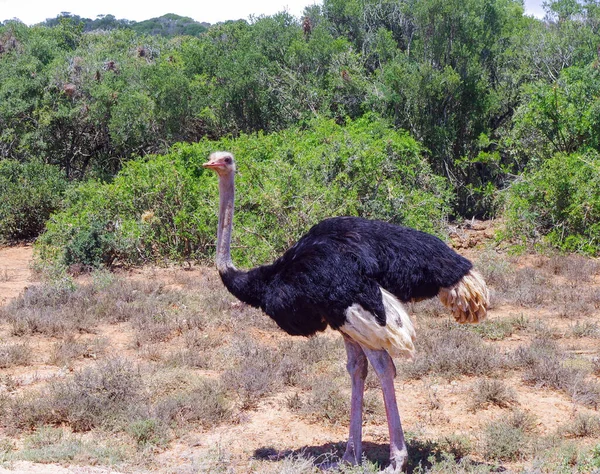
{"x": 423, "y": 454}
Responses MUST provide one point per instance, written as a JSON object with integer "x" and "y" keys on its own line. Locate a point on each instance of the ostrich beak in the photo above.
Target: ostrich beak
{"x": 211, "y": 165}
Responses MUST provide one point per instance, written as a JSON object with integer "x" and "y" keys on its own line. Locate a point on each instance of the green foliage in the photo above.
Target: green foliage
{"x": 88, "y": 102}
{"x": 169, "y": 25}
{"x": 559, "y": 202}
{"x": 29, "y": 192}
{"x": 165, "y": 25}
{"x": 561, "y": 117}
{"x": 166, "y": 206}
{"x": 90, "y": 246}
{"x": 487, "y": 92}
{"x": 152, "y": 209}
{"x": 146, "y": 431}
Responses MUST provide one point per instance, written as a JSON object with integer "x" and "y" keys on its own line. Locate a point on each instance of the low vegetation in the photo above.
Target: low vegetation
{"x": 14, "y": 354}
{"x": 450, "y": 351}
{"x": 153, "y": 359}
{"x": 492, "y": 392}
{"x": 508, "y": 440}
{"x": 546, "y": 365}
{"x": 558, "y": 202}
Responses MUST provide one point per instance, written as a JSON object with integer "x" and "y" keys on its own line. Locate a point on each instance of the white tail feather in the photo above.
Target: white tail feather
{"x": 468, "y": 299}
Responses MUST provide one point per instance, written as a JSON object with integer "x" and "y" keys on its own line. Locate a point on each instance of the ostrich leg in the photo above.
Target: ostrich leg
{"x": 386, "y": 371}
{"x": 357, "y": 368}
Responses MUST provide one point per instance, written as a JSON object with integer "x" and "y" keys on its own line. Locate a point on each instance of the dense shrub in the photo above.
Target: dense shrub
{"x": 485, "y": 89}
{"x": 29, "y": 192}
{"x": 166, "y": 206}
{"x": 559, "y": 202}
{"x": 561, "y": 116}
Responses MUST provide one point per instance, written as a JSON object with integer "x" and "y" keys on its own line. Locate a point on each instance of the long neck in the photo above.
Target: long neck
{"x": 226, "y": 201}
{"x": 246, "y": 286}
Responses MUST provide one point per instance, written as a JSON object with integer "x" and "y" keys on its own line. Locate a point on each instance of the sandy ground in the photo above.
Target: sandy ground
{"x": 22, "y": 467}
{"x": 15, "y": 273}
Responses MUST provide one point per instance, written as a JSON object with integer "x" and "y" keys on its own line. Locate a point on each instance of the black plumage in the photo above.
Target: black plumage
{"x": 352, "y": 274}
{"x": 342, "y": 261}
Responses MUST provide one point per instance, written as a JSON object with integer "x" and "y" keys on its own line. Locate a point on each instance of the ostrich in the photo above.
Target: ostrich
{"x": 353, "y": 275}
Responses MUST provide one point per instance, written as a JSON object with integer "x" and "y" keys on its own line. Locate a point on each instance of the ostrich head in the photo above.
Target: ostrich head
{"x": 221, "y": 162}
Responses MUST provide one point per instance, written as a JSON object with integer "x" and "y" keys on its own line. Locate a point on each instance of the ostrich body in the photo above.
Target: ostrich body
{"x": 353, "y": 275}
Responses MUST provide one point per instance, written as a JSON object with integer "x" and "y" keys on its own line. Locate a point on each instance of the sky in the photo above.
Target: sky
{"x": 532, "y": 7}
{"x": 36, "y": 11}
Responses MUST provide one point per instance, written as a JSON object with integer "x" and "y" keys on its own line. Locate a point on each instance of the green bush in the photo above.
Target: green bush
{"x": 29, "y": 192}
{"x": 562, "y": 116}
{"x": 166, "y": 206}
{"x": 559, "y": 203}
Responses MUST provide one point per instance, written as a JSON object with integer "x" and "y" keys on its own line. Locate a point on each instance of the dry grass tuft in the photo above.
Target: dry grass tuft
{"x": 198, "y": 349}
{"x": 596, "y": 366}
{"x": 114, "y": 395}
{"x": 58, "y": 309}
{"x": 71, "y": 348}
{"x": 507, "y": 440}
{"x": 575, "y": 268}
{"x": 528, "y": 288}
{"x": 544, "y": 366}
{"x": 207, "y": 405}
{"x": 537, "y": 285}
{"x": 15, "y": 354}
{"x": 93, "y": 397}
{"x": 586, "y": 329}
{"x": 499, "y": 329}
{"x": 495, "y": 269}
{"x": 586, "y": 393}
{"x": 148, "y": 432}
{"x": 6, "y": 275}
{"x": 450, "y": 351}
{"x": 327, "y": 403}
{"x": 488, "y": 392}
{"x": 431, "y": 308}
{"x": 254, "y": 374}
{"x": 260, "y": 369}
{"x": 582, "y": 426}
{"x": 58, "y": 445}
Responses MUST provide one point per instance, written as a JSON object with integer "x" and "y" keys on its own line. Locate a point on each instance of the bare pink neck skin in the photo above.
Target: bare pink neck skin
{"x": 226, "y": 200}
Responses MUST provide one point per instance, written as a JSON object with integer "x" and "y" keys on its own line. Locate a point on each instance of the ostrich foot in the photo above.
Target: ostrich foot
{"x": 398, "y": 463}
{"x": 351, "y": 456}
{"x": 331, "y": 465}
{"x": 348, "y": 459}
{"x": 328, "y": 465}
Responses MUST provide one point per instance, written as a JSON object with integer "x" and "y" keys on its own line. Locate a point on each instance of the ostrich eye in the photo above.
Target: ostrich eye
{"x": 228, "y": 160}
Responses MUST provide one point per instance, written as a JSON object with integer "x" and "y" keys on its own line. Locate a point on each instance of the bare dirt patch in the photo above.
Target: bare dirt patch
{"x": 15, "y": 273}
